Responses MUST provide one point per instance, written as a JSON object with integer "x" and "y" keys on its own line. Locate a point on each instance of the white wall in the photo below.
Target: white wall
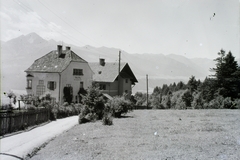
{"x": 67, "y": 77}
{"x": 45, "y": 77}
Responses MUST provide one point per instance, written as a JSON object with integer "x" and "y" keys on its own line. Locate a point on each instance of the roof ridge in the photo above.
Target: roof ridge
{"x": 51, "y": 62}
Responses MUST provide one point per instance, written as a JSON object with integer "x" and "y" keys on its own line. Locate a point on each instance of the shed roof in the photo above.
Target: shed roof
{"x": 109, "y": 72}
{"x": 51, "y": 62}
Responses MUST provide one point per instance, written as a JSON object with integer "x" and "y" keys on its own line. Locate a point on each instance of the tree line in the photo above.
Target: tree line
{"x": 219, "y": 90}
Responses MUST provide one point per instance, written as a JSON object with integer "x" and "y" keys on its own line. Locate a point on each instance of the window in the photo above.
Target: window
{"x": 29, "y": 84}
{"x": 51, "y": 85}
{"x": 102, "y": 86}
{"x": 77, "y": 72}
{"x": 40, "y": 88}
{"x": 126, "y": 80}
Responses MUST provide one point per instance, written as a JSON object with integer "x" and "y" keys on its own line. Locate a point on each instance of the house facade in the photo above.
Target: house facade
{"x": 62, "y": 73}
{"x": 65, "y": 75}
{"x": 110, "y": 81}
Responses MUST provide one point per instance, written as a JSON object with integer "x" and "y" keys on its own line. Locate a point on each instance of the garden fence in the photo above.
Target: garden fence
{"x": 18, "y": 120}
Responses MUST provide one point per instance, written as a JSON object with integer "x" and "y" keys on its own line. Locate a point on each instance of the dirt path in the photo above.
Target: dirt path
{"x": 152, "y": 134}
{"x": 18, "y": 146}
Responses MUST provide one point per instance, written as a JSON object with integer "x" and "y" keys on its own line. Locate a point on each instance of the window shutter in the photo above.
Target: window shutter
{"x": 55, "y": 85}
{"x": 48, "y": 85}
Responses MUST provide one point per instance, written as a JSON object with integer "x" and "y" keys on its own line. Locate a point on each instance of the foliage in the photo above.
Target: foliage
{"x": 208, "y": 89}
{"x": 180, "y": 86}
{"x": 31, "y": 99}
{"x": 119, "y": 105}
{"x": 176, "y": 99}
{"x": 11, "y": 96}
{"x": 187, "y": 98}
{"x": 227, "y": 103}
{"x": 222, "y": 90}
{"x": 236, "y": 104}
{"x": 226, "y": 71}
{"x": 180, "y": 104}
{"x": 107, "y": 119}
{"x": 192, "y": 84}
{"x": 216, "y": 103}
{"x": 93, "y": 105}
{"x": 155, "y": 101}
{"x": 166, "y": 101}
{"x": 198, "y": 101}
{"x": 165, "y": 89}
{"x": 86, "y": 115}
{"x": 140, "y": 98}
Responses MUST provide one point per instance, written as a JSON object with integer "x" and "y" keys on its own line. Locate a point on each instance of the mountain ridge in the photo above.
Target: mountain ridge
{"x": 19, "y": 53}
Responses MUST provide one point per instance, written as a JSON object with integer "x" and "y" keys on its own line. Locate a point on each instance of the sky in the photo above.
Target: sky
{"x": 193, "y": 28}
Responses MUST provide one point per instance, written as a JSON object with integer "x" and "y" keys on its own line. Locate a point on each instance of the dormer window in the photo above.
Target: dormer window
{"x": 77, "y": 72}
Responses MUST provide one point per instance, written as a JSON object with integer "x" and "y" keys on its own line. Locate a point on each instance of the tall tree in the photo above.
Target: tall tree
{"x": 180, "y": 86}
{"x": 192, "y": 84}
{"x": 165, "y": 89}
{"x": 207, "y": 89}
{"x": 226, "y": 67}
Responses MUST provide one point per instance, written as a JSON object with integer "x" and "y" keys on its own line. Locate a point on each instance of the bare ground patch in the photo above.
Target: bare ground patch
{"x": 152, "y": 134}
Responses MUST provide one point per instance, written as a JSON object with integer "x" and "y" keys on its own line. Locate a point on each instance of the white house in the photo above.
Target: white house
{"x": 62, "y": 73}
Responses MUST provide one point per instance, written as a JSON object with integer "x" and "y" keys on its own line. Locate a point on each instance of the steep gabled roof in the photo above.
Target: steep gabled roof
{"x": 109, "y": 72}
{"x": 51, "y": 62}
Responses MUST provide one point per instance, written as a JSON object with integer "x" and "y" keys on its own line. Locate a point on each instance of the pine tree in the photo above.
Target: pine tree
{"x": 225, "y": 70}
{"x": 165, "y": 89}
{"x": 192, "y": 84}
{"x": 207, "y": 89}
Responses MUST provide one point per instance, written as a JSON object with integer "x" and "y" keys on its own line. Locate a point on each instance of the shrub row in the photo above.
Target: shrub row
{"x": 183, "y": 99}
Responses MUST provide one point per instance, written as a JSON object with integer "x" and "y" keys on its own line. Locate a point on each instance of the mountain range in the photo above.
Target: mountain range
{"x": 19, "y": 53}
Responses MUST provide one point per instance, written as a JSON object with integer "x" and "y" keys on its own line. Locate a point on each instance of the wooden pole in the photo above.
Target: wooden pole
{"x": 147, "y": 89}
{"x": 119, "y": 68}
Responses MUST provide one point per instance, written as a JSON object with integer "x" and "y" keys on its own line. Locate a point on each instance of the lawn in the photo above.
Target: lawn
{"x": 152, "y": 134}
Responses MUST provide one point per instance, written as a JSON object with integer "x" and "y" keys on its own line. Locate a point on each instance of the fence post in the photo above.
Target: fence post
{"x": 10, "y": 123}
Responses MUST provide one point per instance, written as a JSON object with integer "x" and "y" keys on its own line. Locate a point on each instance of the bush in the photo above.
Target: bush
{"x": 94, "y": 101}
{"x": 140, "y": 98}
{"x": 180, "y": 104}
{"x": 187, "y": 98}
{"x": 227, "y": 103}
{"x": 176, "y": 99}
{"x": 78, "y": 108}
{"x": 166, "y": 101}
{"x": 159, "y": 106}
{"x": 155, "y": 102}
{"x": 86, "y": 115}
{"x": 119, "y": 105}
{"x": 216, "y": 103}
{"x": 107, "y": 119}
{"x": 236, "y": 104}
{"x": 198, "y": 101}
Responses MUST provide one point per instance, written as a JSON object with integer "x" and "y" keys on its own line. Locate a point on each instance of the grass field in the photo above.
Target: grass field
{"x": 152, "y": 134}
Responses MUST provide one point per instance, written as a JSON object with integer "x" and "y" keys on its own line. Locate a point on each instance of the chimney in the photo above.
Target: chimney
{"x": 68, "y": 48}
{"x": 59, "y": 49}
{"x": 102, "y": 61}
